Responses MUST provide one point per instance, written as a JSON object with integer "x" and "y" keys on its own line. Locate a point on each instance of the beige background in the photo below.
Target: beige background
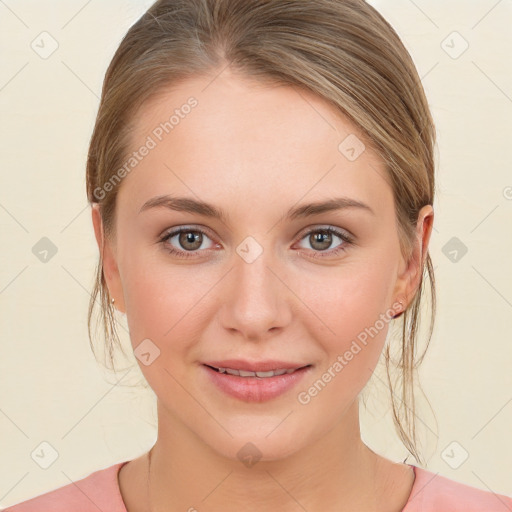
{"x": 52, "y": 389}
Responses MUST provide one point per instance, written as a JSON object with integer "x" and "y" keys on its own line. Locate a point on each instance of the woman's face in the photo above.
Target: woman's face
{"x": 257, "y": 284}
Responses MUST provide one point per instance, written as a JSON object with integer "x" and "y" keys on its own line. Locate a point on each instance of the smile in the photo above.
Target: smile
{"x": 246, "y": 373}
{"x": 259, "y": 386}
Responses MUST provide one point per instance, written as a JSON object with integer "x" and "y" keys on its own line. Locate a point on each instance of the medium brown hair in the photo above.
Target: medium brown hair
{"x": 344, "y": 51}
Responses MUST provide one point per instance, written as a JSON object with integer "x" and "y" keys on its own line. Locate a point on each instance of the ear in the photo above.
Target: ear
{"x": 110, "y": 268}
{"x": 409, "y": 279}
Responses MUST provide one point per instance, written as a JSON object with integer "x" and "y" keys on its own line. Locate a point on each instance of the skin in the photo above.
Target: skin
{"x": 247, "y": 148}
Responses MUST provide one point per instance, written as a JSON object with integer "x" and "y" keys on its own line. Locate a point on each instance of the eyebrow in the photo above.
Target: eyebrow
{"x": 189, "y": 205}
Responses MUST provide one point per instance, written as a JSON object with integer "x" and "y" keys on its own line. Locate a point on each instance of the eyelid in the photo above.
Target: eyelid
{"x": 325, "y": 227}
{"x": 184, "y": 227}
{"x": 305, "y": 231}
{"x": 346, "y": 237}
{"x": 176, "y": 230}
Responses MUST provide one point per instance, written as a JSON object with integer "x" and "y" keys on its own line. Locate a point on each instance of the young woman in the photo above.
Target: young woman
{"x": 261, "y": 177}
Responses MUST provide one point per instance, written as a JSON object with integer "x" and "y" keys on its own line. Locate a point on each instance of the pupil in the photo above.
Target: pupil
{"x": 324, "y": 238}
{"x": 190, "y": 238}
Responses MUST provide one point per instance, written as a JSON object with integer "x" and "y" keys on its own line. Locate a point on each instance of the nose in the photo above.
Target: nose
{"x": 255, "y": 298}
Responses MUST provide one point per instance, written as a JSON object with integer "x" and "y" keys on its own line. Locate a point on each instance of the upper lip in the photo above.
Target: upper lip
{"x": 255, "y": 366}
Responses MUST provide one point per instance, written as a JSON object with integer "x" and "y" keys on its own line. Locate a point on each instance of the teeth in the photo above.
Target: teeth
{"x": 262, "y": 375}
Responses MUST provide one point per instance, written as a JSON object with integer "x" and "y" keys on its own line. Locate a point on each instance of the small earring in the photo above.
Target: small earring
{"x": 113, "y": 300}
{"x": 401, "y": 312}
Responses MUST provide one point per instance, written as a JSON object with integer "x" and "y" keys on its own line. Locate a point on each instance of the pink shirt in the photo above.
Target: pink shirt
{"x": 431, "y": 492}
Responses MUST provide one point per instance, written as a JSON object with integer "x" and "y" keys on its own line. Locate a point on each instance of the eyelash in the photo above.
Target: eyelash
{"x": 347, "y": 241}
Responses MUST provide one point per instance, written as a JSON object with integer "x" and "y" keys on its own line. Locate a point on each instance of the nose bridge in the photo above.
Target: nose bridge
{"x": 255, "y": 278}
{"x": 257, "y": 300}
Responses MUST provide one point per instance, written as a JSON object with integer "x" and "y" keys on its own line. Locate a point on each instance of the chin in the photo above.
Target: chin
{"x": 250, "y": 446}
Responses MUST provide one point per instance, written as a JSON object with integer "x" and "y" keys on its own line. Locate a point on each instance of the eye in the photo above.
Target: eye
{"x": 189, "y": 241}
{"x": 320, "y": 239}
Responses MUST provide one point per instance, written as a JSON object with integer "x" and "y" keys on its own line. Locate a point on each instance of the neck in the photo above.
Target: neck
{"x": 336, "y": 472}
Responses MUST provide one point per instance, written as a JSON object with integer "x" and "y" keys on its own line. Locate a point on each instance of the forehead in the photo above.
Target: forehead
{"x": 234, "y": 139}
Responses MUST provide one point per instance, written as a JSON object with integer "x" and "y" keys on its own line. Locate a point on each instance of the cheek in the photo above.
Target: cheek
{"x": 165, "y": 314}
{"x": 164, "y": 302}
{"x": 351, "y": 321}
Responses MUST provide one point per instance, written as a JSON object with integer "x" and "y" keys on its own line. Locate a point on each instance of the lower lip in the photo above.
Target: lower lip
{"x": 255, "y": 389}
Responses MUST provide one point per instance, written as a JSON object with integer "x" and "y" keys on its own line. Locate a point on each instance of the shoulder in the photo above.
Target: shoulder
{"x": 433, "y": 492}
{"x": 97, "y": 491}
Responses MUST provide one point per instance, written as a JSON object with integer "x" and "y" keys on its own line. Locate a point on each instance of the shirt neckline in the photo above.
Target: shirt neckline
{"x": 122, "y": 506}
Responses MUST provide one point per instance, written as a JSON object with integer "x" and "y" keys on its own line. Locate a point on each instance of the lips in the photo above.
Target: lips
{"x": 256, "y": 366}
{"x": 246, "y": 373}
{"x": 248, "y": 386}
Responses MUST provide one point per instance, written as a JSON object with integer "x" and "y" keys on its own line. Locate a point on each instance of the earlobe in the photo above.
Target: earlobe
{"x": 110, "y": 267}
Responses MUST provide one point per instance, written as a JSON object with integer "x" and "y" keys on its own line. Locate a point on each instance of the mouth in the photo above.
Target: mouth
{"x": 255, "y": 386}
{"x": 258, "y": 374}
